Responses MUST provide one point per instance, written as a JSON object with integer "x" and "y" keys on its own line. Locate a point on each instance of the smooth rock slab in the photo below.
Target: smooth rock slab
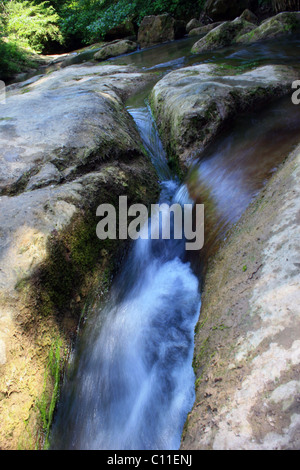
{"x": 194, "y": 23}
{"x": 116, "y": 49}
{"x": 158, "y": 29}
{"x": 249, "y": 369}
{"x": 73, "y": 118}
{"x": 204, "y": 29}
{"x": 223, "y": 35}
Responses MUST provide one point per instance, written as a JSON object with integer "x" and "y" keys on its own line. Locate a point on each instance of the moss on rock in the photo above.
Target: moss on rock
{"x": 283, "y": 24}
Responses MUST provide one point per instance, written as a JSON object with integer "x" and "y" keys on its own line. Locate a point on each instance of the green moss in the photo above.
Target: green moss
{"x": 20, "y": 185}
{"x": 220, "y": 327}
{"x": 202, "y": 351}
{"x": 237, "y": 69}
{"x": 25, "y": 90}
{"x": 73, "y": 256}
{"x": 200, "y": 325}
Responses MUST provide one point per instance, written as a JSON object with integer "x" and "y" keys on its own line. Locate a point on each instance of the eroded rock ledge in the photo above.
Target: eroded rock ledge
{"x": 67, "y": 145}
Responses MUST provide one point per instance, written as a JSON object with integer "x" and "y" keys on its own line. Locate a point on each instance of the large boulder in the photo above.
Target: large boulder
{"x": 193, "y": 104}
{"x": 67, "y": 145}
{"x": 283, "y": 24}
{"x": 158, "y": 29}
{"x": 192, "y": 24}
{"x": 223, "y": 35}
{"x": 219, "y": 10}
{"x": 115, "y": 49}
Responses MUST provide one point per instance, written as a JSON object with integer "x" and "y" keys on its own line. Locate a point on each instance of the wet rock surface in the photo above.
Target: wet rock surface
{"x": 193, "y": 104}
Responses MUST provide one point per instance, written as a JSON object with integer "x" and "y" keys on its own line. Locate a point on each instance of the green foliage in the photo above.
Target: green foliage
{"x": 111, "y": 17}
{"x": 12, "y": 59}
{"x": 40, "y": 26}
{"x": 89, "y": 20}
{"x": 31, "y": 25}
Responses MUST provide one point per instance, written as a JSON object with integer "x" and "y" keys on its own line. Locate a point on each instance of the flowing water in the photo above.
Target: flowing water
{"x": 130, "y": 383}
{"x": 134, "y": 384}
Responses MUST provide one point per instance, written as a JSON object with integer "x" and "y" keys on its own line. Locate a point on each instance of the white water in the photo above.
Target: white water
{"x": 131, "y": 382}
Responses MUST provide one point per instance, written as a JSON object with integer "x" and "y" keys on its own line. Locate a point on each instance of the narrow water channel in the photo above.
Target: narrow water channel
{"x": 133, "y": 384}
{"x": 130, "y": 383}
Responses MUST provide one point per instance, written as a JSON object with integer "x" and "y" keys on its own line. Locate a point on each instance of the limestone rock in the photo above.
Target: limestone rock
{"x": 115, "y": 49}
{"x": 223, "y": 35}
{"x": 194, "y": 23}
{"x": 47, "y": 175}
{"x": 258, "y": 398}
{"x": 283, "y": 24}
{"x": 157, "y": 29}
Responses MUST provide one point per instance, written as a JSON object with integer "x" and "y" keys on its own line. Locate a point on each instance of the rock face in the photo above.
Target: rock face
{"x": 245, "y": 31}
{"x": 220, "y": 10}
{"x": 247, "y": 342}
{"x": 79, "y": 149}
{"x": 193, "y": 104}
{"x": 194, "y": 23}
{"x": 247, "y": 15}
{"x": 204, "y": 29}
{"x": 283, "y": 24}
{"x": 115, "y": 49}
{"x": 223, "y": 35}
{"x": 158, "y": 29}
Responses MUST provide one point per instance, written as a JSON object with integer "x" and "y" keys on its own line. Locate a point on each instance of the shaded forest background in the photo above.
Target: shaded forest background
{"x": 33, "y": 27}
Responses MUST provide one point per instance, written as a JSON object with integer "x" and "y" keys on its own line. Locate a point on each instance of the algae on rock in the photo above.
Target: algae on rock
{"x": 192, "y": 105}
{"x": 79, "y": 149}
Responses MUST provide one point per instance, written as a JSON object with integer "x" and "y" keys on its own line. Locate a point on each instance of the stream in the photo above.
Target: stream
{"x": 130, "y": 383}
